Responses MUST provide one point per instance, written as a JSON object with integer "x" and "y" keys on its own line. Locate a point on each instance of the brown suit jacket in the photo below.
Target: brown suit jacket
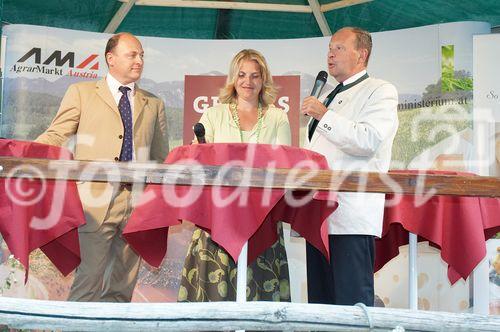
{"x": 89, "y": 115}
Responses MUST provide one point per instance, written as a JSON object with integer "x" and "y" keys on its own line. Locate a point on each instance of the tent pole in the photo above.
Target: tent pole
{"x": 119, "y": 16}
{"x": 320, "y": 17}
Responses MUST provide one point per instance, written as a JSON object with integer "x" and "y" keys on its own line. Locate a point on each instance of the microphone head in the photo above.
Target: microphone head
{"x": 322, "y": 76}
{"x": 319, "y": 83}
{"x": 199, "y": 129}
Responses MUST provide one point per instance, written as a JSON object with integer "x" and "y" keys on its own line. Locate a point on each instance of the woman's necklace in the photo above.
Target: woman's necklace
{"x": 236, "y": 118}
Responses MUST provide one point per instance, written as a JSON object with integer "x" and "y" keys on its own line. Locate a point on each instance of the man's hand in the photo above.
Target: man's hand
{"x": 313, "y": 107}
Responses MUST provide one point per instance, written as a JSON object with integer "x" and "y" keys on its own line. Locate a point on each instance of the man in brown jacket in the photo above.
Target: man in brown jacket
{"x": 109, "y": 120}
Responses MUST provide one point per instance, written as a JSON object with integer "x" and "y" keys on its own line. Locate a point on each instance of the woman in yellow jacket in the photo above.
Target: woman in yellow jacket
{"x": 247, "y": 115}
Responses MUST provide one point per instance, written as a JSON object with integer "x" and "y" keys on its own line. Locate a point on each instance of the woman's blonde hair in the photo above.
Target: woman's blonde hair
{"x": 268, "y": 92}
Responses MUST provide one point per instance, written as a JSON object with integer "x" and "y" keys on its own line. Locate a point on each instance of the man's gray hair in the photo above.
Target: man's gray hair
{"x": 363, "y": 40}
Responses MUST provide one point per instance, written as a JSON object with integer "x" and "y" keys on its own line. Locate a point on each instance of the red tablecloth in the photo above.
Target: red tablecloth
{"x": 40, "y": 214}
{"x": 457, "y": 225}
{"x": 236, "y": 222}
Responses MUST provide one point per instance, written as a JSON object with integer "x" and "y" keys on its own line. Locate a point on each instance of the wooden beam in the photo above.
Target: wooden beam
{"x": 246, "y": 5}
{"x": 320, "y": 18}
{"x": 326, "y": 180}
{"x": 224, "y": 5}
{"x": 224, "y": 316}
{"x": 341, "y": 4}
{"x": 119, "y": 16}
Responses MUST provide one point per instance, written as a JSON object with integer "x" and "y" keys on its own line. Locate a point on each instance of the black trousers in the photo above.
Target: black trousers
{"x": 348, "y": 278}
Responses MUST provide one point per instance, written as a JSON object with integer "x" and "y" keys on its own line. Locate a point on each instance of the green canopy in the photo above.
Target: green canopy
{"x": 241, "y": 19}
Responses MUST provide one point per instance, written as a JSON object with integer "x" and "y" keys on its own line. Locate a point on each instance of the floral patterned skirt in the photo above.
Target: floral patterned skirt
{"x": 209, "y": 273}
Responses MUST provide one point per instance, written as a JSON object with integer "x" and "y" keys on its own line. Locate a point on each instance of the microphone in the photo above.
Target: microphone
{"x": 199, "y": 132}
{"x": 319, "y": 83}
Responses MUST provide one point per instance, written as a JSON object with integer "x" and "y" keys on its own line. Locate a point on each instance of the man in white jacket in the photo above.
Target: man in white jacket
{"x": 354, "y": 131}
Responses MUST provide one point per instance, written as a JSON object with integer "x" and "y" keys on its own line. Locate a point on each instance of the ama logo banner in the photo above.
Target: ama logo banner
{"x": 55, "y": 62}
